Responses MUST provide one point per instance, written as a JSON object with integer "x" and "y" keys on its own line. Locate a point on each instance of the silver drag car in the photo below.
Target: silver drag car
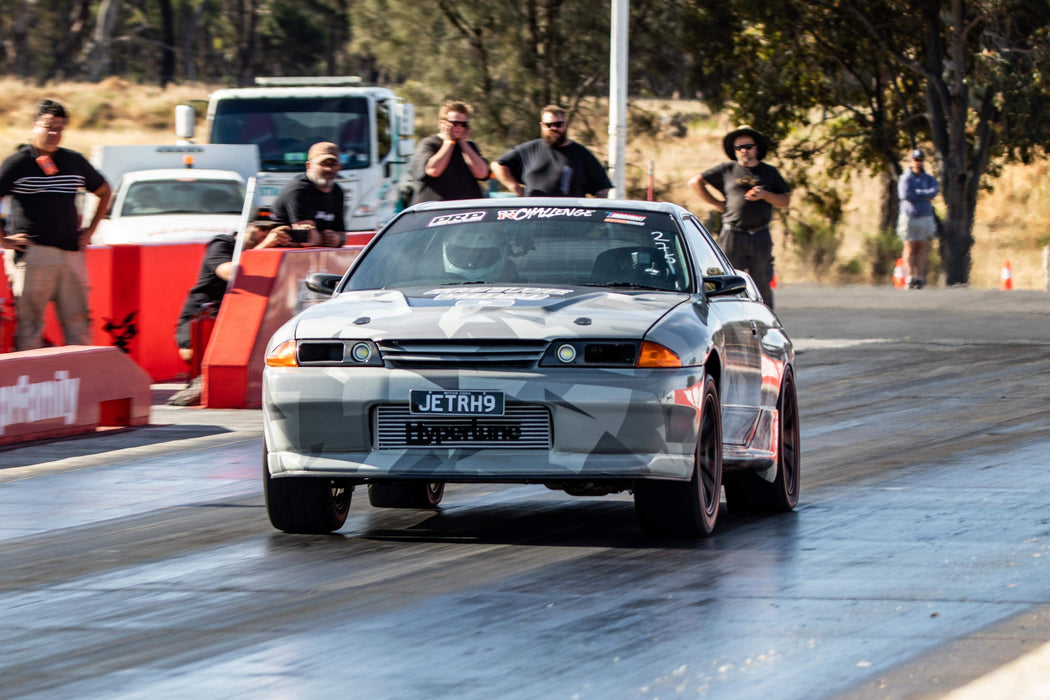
{"x": 593, "y": 346}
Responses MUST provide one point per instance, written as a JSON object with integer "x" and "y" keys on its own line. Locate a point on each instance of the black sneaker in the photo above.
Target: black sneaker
{"x": 919, "y": 284}
{"x": 190, "y": 396}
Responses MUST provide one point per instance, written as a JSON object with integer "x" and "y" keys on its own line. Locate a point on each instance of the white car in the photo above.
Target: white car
{"x": 169, "y": 206}
{"x": 591, "y": 345}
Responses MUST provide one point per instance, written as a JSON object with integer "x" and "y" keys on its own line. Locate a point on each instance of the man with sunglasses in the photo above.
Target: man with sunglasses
{"x": 552, "y": 166}
{"x": 750, "y": 189}
{"x": 44, "y": 248}
{"x": 448, "y": 164}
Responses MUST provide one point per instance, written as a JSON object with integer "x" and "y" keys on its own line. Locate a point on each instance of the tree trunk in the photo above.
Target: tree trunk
{"x": 24, "y": 12}
{"x": 167, "y": 43}
{"x": 889, "y": 203}
{"x": 98, "y": 49}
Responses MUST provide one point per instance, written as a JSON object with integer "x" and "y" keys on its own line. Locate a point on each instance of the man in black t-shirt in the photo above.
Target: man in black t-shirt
{"x": 44, "y": 243}
{"x": 206, "y": 295}
{"x": 448, "y": 164}
{"x": 312, "y": 203}
{"x": 750, "y": 189}
{"x": 552, "y": 166}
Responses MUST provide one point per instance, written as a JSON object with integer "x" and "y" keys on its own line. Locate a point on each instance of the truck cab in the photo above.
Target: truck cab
{"x": 283, "y": 117}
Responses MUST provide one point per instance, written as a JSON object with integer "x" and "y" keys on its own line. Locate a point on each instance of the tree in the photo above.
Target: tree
{"x": 978, "y": 65}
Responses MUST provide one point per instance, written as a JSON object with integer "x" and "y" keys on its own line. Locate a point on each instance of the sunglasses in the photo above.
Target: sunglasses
{"x": 744, "y": 147}
{"x": 553, "y": 125}
{"x": 457, "y": 123}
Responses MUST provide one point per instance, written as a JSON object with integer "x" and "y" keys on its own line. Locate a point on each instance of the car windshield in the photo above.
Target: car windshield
{"x": 523, "y": 245}
{"x": 157, "y": 197}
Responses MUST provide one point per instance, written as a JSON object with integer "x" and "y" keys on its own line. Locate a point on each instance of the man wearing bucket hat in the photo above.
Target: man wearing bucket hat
{"x": 312, "y": 203}
{"x": 916, "y": 224}
{"x": 750, "y": 189}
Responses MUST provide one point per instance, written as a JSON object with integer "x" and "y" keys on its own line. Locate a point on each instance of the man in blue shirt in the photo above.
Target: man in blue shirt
{"x": 916, "y": 225}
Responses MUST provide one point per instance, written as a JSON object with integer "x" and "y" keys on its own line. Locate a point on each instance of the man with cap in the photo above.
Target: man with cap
{"x": 916, "y": 224}
{"x": 312, "y": 203}
{"x": 750, "y": 189}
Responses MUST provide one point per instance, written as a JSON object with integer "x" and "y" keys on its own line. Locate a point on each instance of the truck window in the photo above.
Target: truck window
{"x": 284, "y": 128}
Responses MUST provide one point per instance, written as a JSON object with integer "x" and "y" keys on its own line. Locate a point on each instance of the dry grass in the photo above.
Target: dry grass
{"x": 1013, "y": 221}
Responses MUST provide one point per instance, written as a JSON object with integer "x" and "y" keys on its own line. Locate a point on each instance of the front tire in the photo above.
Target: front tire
{"x": 424, "y": 495}
{"x": 747, "y": 491}
{"x": 688, "y": 509}
{"x": 305, "y": 505}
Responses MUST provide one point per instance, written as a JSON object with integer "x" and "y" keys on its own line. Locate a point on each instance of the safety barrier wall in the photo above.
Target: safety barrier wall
{"x": 53, "y": 392}
{"x": 136, "y": 294}
{"x": 268, "y": 290}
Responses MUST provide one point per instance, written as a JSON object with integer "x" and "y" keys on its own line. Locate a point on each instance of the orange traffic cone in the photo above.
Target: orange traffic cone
{"x": 1006, "y": 280}
{"x": 898, "y": 274}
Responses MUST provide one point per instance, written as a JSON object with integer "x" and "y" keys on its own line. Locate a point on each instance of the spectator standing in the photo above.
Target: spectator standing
{"x": 750, "y": 189}
{"x": 552, "y": 166}
{"x": 916, "y": 225}
{"x": 312, "y": 203}
{"x": 215, "y": 271}
{"x": 448, "y": 164}
{"x": 44, "y": 249}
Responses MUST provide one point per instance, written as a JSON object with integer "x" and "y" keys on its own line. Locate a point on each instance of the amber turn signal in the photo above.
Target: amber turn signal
{"x": 283, "y": 355}
{"x": 655, "y": 355}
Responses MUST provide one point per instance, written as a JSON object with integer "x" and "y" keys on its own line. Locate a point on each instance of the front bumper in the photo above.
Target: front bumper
{"x": 605, "y": 424}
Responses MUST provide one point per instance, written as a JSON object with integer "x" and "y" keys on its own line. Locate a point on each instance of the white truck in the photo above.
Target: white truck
{"x": 173, "y": 193}
{"x": 373, "y": 127}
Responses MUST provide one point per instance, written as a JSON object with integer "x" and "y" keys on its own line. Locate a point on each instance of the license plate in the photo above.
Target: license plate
{"x": 455, "y": 403}
{"x": 269, "y": 192}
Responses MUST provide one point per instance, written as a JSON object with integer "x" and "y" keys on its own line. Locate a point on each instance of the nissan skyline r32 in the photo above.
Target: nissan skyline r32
{"x": 593, "y": 346}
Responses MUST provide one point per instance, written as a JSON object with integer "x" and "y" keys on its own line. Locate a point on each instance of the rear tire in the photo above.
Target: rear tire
{"x": 748, "y": 492}
{"x": 306, "y": 505}
{"x": 688, "y": 509}
{"x": 409, "y": 494}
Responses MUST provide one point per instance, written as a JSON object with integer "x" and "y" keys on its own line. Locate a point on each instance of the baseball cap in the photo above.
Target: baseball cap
{"x": 323, "y": 151}
{"x": 917, "y": 154}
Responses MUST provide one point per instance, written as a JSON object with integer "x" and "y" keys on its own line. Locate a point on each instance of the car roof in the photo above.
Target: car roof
{"x": 558, "y": 202}
{"x": 183, "y": 174}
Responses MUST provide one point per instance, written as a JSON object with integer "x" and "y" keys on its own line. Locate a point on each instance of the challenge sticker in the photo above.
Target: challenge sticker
{"x": 526, "y": 213}
{"x": 620, "y": 217}
{"x": 497, "y": 296}
{"x": 468, "y": 217}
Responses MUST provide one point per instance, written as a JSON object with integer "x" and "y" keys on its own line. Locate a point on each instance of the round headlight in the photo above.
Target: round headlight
{"x": 361, "y": 352}
{"x": 566, "y": 353}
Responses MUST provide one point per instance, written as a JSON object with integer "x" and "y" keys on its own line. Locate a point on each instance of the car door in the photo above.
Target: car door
{"x": 735, "y": 315}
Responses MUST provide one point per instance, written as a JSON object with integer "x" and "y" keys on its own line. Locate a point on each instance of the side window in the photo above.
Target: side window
{"x": 708, "y": 259}
{"x": 383, "y": 135}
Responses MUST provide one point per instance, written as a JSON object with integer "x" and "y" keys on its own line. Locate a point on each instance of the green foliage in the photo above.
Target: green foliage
{"x": 882, "y": 250}
{"x": 815, "y": 243}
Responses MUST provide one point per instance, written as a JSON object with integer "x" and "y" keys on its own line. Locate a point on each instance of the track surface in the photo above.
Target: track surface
{"x": 141, "y": 563}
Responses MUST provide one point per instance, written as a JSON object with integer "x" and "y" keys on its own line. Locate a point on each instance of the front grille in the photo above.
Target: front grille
{"x": 461, "y": 354}
{"x": 522, "y": 427}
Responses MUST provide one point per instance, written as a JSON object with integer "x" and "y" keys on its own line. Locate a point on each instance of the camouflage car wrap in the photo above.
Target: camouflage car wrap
{"x": 496, "y": 350}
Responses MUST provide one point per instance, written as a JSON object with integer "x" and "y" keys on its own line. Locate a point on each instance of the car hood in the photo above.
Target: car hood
{"x": 527, "y": 313}
{"x": 165, "y": 228}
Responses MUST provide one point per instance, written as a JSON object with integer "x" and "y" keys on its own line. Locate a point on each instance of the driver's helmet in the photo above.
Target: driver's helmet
{"x": 475, "y": 255}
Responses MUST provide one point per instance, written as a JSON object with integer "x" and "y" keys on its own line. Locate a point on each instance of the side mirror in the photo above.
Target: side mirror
{"x": 322, "y": 283}
{"x": 185, "y": 121}
{"x": 724, "y": 285}
{"x": 406, "y": 119}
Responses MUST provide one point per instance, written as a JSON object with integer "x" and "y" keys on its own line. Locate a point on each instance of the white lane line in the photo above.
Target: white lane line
{"x": 1026, "y": 678}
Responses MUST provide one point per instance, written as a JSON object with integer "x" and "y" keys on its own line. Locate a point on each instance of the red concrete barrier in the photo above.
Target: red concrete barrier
{"x": 267, "y": 292}
{"x": 136, "y": 294}
{"x": 7, "y": 312}
{"x": 55, "y": 392}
